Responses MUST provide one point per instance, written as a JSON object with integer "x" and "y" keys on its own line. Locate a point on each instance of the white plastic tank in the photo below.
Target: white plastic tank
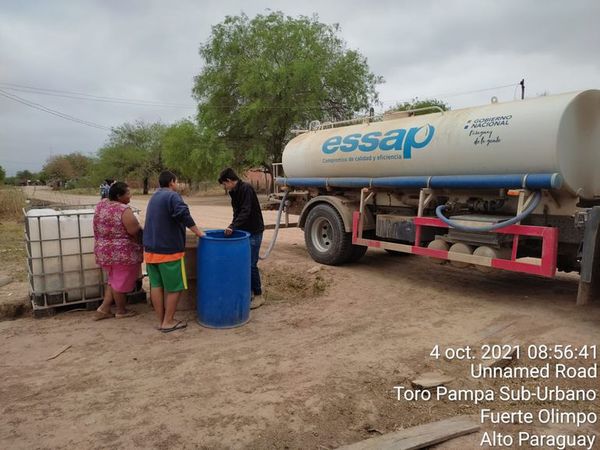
{"x": 553, "y": 134}
{"x": 61, "y": 245}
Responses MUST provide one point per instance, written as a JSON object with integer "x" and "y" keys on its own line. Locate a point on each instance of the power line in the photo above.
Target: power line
{"x": 12, "y": 161}
{"x": 319, "y": 108}
{"x": 118, "y": 100}
{"x": 39, "y": 107}
{"x": 90, "y": 97}
{"x": 138, "y": 102}
{"x": 458, "y": 94}
{"x": 83, "y": 96}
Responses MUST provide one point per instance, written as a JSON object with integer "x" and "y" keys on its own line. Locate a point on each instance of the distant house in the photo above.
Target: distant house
{"x": 259, "y": 178}
{"x": 55, "y": 184}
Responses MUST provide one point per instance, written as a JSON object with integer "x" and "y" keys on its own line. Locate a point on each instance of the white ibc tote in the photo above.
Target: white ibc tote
{"x": 62, "y": 267}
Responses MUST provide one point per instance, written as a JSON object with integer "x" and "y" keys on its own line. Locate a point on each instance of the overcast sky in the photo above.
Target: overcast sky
{"x": 147, "y": 50}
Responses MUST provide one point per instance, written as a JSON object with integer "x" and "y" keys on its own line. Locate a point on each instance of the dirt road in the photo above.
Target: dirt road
{"x": 315, "y": 367}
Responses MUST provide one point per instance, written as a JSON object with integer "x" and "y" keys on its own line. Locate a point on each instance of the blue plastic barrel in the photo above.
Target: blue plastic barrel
{"x": 223, "y": 269}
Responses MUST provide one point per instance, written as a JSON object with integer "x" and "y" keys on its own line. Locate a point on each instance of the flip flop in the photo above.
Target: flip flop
{"x": 100, "y": 315}
{"x": 178, "y": 326}
{"x": 127, "y": 314}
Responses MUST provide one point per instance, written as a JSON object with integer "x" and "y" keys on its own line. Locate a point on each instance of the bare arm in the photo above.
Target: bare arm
{"x": 197, "y": 231}
{"x": 131, "y": 223}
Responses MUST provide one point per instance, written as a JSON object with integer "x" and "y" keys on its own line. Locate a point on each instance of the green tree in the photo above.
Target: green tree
{"x": 264, "y": 76}
{"x": 58, "y": 168}
{"x": 2, "y": 175}
{"x": 23, "y": 176}
{"x": 80, "y": 163}
{"x": 193, "y": 154}
{"x": 132, "y": 150}
{"x": 74, "y": 167}
{"x": 421, "y": 104}
{"x": 42, "y": 177}
{"x": 118, "y": 163}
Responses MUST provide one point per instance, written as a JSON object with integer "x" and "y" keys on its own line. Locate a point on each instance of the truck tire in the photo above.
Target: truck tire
{"x": 326, "y": 239}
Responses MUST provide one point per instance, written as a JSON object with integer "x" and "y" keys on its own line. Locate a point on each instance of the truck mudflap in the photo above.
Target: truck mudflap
{"x": 589, "y": 288}
{"x": 546, "y": 267}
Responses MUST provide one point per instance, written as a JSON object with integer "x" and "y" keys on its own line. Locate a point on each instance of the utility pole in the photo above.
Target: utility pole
{"x": 522, "y": 83}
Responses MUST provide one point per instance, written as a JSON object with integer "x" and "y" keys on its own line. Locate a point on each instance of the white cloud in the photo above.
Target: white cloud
{"x": 149, "y": 50}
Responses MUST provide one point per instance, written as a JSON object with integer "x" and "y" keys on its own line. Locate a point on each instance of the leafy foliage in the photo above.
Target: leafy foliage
{"x": 419, "y": 104}
{"x": 132, "y": 151}
{"x": 119, "y": 163}
{"x": 81, "y": 164}
{"x": 24, "y": 175}
{"x": 59, "y": 168}
{"x": 266, "y": 75}
{"x": 66, "y": 168}
{"x": 195, "y": 155}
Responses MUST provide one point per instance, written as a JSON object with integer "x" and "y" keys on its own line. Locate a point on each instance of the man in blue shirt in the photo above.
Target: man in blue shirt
{"x": 167, "y": 217}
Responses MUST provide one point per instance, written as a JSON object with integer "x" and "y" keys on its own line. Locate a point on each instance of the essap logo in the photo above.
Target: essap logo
{"x": 398, "y": 140}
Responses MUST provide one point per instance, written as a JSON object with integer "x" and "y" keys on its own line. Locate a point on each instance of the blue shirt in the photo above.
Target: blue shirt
{"x": 167, "y": 217}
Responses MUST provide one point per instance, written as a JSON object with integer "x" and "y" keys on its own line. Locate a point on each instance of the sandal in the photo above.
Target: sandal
{"x": 100, "y": 315}
{"x": 178, "y": 326}
{"x": 126, "y": 314}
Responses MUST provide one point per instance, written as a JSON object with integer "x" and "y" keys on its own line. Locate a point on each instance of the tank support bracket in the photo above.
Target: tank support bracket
{"x": 545, "y": 268}
{"x": 425, "y": 197}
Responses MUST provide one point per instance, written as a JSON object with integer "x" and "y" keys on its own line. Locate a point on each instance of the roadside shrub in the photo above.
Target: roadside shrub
{"x": 12, "y": 202}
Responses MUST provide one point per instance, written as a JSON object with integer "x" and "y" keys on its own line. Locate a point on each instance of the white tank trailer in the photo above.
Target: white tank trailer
{"x": 513, "y": 186}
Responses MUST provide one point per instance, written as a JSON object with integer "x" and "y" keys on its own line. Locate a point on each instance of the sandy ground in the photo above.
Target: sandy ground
{"x": 315, "y": 367}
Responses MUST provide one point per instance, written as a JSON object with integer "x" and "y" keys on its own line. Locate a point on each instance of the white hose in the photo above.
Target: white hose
{"x": 277, "y": 221}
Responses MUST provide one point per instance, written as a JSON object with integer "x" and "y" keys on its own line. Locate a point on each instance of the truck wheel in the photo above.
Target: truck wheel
{"x": 325, "y": 237}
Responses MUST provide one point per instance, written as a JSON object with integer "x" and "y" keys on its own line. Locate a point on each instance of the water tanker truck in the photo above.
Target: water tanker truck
{"x": 512, "y": 186}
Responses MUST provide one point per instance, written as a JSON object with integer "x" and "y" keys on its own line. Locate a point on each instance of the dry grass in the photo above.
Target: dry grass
{"x": 82, "y": 191}
{"x": 12, "y": 245}
{"x": 12, "y": 249}
{"x": 12, "y": 202}
{"x": 14, "y": 301}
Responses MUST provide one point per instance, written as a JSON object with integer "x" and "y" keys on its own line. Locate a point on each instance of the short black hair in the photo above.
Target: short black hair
{"x": 116, "y": 190}
{"x": 165, "y": 178}
{"x": 228, "y": 174}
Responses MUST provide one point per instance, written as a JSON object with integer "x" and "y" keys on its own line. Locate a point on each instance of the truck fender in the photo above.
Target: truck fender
{"x": 343, "y": 206}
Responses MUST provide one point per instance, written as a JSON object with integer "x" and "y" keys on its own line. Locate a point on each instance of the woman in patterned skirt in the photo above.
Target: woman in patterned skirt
{"x": 118, "y": 249}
